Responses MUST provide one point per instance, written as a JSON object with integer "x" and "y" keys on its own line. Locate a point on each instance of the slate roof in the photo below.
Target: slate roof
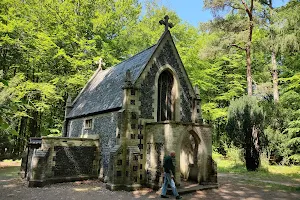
{"x": 104, "y": 91}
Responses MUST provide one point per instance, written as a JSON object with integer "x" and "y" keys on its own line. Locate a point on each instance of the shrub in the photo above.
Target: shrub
{"x": 245, "y": 128}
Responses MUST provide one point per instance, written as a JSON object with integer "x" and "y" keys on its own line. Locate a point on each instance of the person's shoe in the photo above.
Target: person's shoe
{"x": 164, "y": 196}
{"x": 178, "y": 197}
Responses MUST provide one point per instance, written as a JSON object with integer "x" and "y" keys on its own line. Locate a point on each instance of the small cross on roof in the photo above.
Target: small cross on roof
{"x": 166, "y": 23}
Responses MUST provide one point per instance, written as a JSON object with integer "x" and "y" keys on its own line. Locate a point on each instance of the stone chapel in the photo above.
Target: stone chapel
{"x": 139, "y": 111}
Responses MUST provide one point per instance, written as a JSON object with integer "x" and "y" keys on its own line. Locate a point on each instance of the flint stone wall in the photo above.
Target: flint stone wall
{"x": 104, "y": 127}
{"x": 61, "y": 159}
{"x": 166, "y": 56}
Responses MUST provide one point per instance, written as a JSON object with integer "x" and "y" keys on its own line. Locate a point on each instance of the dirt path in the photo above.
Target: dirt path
{"x": 12, "y": 188}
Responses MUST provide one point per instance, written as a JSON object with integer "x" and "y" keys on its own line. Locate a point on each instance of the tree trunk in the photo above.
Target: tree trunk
{"x": 249, "y": 11}
{"x": 275, "y": 78}
{"x": 273, "y": 57}
{"x": 22, "y": 134}
{"x": 249, "y": 76}
{"x": 33, "y": 127}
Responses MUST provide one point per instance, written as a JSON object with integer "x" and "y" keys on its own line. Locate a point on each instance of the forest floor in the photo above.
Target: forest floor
{"x": 231, "y": 186}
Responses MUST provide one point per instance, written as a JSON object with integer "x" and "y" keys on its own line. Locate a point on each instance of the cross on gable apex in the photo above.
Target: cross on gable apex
{"x": 166, "y": 23}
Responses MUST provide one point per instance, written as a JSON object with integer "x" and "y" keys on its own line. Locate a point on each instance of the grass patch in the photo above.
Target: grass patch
{"x": 5, "y": 163}
{"x": 9, "y": 172}
{"x": 9, "y": 169}
{"x": 276, "y": 173}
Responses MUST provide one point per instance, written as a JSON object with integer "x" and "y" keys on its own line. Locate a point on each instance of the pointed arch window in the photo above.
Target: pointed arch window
{"x": 165, "y": 104}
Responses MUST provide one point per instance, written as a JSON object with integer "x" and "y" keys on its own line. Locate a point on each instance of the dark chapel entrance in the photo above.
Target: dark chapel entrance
{"x": 189, "y": 157}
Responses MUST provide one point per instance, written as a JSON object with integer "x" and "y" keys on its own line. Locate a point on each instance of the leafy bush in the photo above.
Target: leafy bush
{"x": 245, "y": 128}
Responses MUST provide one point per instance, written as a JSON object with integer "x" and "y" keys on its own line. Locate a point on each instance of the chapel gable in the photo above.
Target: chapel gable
{"x": 166, "y": 91}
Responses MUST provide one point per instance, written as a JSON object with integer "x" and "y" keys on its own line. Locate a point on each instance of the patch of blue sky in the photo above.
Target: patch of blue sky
{"x": 192, "y": 11}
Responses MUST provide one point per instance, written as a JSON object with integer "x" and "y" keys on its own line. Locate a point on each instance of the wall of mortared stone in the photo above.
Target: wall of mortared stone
{"x": 64, "y": 159}
{"x": 104, "y": 126}
{"x": 161, "y": 138}
{"x": 146, "y": 93}
{"x": 165, "y": 55}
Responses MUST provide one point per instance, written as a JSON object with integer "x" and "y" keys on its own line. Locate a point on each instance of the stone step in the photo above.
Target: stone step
{"x": 195, "y": 188}
{"x": 192, "y": 188}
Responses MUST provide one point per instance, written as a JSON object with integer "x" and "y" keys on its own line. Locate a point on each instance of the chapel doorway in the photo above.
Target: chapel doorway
{"x": 189, "y": 157}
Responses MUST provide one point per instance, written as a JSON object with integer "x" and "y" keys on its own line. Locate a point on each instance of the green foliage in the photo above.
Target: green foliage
{"x": 277, "y": 174}
{"x": 49, "y": 49}
{"x": 243, "y": 114}
{"x": 245, "y": 128}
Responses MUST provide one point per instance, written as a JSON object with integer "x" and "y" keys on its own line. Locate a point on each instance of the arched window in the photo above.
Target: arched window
{"x": 165, "y": 103}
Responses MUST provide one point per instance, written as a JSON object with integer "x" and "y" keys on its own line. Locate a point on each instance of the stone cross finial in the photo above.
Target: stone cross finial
{"x": 100, "y": 64}
{"x": 128, "y": 82}
{"x": 166, "y": 23}
{"x": 69, "y": 100}
{"x": 197, "y": 91}
{"x": 128, "y": 76}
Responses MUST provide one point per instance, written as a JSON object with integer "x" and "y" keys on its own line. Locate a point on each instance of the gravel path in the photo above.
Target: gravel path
{"x": 12, "y": 188}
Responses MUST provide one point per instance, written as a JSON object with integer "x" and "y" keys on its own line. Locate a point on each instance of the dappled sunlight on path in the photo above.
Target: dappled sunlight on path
{"x": 231, "y": 187}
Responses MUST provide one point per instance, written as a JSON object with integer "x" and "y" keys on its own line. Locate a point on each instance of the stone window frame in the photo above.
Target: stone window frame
{"x": 176, "y": 92}
{"x": 89, "y": 122}
{"x": 166, "y": 100}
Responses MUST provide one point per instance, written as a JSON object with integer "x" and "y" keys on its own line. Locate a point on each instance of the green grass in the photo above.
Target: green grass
{"x": 276, "y": 173}
{"x": 11, "y": 161}
{"x": 9, "y": 172}
{"x": 9, "y": 169}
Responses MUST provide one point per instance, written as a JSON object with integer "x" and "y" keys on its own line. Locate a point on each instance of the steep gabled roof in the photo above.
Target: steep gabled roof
{"x": 104, "y": 90}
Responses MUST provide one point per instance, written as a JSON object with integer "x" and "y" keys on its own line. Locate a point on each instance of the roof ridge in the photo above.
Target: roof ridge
{"x": 133, "y": 56}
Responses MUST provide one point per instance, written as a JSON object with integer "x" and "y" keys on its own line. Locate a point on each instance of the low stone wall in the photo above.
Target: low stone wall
{"x": 61, "y": 159}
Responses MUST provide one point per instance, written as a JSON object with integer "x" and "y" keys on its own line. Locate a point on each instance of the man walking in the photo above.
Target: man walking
{"x": 169, "y": 172}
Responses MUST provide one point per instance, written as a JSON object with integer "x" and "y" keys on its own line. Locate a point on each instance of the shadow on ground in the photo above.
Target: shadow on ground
{"x": 14, "y": 188}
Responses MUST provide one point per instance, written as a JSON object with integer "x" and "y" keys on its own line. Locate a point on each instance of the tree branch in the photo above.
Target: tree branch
{"x": 251, "y": 6}
{"x": 246, "y": 7}
{"x": 237, "y": 46}
{"x": 233, "y": 6}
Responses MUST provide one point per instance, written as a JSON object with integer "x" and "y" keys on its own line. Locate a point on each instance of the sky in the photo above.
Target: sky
{"x": 192, "y": 10}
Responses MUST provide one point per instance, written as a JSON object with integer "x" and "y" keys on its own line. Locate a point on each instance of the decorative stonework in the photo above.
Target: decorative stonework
{"x": 167, "y": 56}
{"x": 147, "y": 91}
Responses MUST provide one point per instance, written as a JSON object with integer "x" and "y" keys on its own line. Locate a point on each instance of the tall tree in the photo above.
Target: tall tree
{"x": 269, "y": 22}
{"x": 244, "y": 9}
{"x": 53, "y": 46}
